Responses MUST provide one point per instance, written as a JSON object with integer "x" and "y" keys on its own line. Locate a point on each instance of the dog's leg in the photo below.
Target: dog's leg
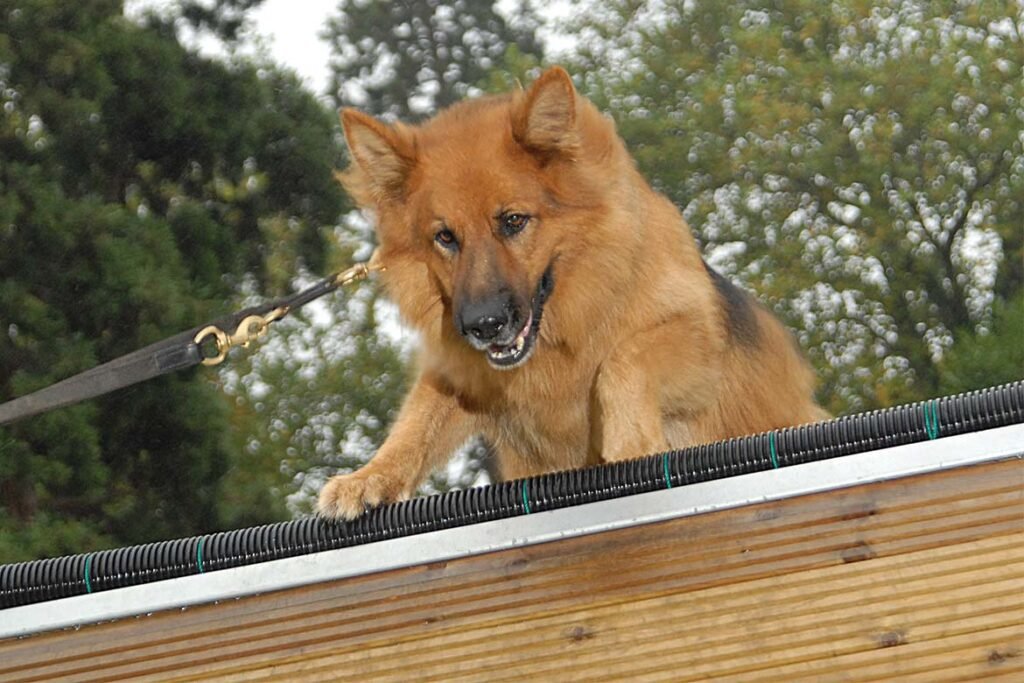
{"x": 631, "y": 423}
{"x": 430, "y": 426}
{"x": 668, "y": 369}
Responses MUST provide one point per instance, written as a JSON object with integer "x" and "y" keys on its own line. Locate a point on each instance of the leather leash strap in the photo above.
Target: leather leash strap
{"x": 206, "y": 344}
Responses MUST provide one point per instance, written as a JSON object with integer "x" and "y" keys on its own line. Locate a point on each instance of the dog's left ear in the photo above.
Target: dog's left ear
{"x": 544, "y": 117}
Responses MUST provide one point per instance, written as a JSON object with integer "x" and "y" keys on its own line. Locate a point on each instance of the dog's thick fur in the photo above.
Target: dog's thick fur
{"x": 640, "y": 346}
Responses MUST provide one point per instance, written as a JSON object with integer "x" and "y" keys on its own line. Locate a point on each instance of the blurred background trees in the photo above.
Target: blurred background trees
{"x": 142, "y": 189}
{"x": 857, "y": 165}
{"x": 405, "y": 60}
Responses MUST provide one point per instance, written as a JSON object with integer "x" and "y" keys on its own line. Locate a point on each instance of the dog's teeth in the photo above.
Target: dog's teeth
{"x": 520, "y": 341}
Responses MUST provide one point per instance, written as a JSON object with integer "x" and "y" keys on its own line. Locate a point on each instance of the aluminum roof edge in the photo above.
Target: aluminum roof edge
{"x": 694, "y": 499}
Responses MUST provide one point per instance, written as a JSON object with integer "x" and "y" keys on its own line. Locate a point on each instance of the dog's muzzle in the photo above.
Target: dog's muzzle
{"x": 497, "y": 327}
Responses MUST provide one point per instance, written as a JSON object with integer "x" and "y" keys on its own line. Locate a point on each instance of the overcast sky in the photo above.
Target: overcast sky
{"x": 292, "y": 35}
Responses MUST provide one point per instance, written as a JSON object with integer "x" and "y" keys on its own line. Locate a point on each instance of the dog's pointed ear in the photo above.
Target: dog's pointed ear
{"x": 382, "y": 157}
{"x": 544, "y": 117}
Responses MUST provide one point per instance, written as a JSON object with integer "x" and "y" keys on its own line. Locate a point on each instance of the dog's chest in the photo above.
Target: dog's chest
{"x": 540, "y": 439}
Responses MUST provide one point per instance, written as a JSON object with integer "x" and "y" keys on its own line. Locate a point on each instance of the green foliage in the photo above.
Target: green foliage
{"x": 989, "y": 356}
{"x": 408, "y": 59}
{"x": 857, "y": 164}
{"x": 143, "y": 188}
{"x": 225, "y": 18}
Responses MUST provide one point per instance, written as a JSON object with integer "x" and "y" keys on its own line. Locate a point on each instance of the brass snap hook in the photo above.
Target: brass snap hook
{"x": 251, "y": 328}
{"x": 360, "y": 271}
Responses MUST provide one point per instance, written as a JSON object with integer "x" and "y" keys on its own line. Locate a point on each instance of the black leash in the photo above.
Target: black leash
{"x": 206, "y": 344}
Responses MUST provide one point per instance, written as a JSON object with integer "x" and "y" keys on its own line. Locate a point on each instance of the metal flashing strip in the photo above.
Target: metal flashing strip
{"x": 694, "y": 499}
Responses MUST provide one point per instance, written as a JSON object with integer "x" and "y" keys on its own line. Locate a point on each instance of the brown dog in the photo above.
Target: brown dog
{"x": 565, "y": 311}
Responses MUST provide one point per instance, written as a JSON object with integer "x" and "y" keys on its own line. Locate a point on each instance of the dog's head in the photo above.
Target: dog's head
{"x": 474, "y": 206}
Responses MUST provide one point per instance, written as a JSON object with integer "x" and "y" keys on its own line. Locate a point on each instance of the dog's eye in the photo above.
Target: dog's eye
{"x": 446, "y": 238}
{"x": 513, "y": 223}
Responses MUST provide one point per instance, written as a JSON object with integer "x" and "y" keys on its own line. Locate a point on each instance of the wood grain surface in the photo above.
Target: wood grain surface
{"x": 915, "y": 579}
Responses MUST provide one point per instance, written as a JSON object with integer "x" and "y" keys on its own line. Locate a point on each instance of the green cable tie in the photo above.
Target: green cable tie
{"x": 668, "y": 479}
{"x": 526, "y": 499}
{"x": 931, "y": 419}
{"x": 771, "y": 450}
{"x": 199, "y": 555}
{"x": 88, "y": 570}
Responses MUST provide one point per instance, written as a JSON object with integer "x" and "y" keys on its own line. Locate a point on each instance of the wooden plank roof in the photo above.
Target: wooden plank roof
{"x": 916, "y": 576}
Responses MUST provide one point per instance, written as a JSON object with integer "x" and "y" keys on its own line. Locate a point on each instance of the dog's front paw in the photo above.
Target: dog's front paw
{"x": 346, "y": 496}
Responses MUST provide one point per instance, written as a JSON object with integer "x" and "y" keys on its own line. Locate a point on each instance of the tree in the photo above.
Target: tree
{"x": 857, "y": 164}
{"x": 990, "y": 355}
{"x": 224, "y": 18}
{"x": 143, "y": 190}
{"x": 408, "y": 59}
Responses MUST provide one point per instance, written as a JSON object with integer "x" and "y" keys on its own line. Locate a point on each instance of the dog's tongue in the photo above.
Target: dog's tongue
{"x": 526, "y": 328}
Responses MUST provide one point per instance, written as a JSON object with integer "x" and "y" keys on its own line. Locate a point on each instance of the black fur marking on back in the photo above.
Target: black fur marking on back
{"x": 741, "y": 318}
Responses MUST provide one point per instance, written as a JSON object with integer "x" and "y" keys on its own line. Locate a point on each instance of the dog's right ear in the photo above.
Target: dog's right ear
{"x": 382, "y": 157}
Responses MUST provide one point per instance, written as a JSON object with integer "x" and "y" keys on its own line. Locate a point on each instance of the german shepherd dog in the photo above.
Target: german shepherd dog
{"x": 565, "y": 312}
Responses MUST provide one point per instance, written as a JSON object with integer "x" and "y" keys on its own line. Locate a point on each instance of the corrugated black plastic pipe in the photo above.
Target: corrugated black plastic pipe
{"x": 41, "y": 580}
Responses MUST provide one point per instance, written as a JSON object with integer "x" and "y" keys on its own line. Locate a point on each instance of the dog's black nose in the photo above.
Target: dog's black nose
{"x": 485, "y": 320}
{"x": 487, "y": 328}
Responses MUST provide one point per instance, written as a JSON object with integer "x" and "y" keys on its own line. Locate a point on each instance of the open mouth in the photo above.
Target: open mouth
{"x": 519, "y": 350}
